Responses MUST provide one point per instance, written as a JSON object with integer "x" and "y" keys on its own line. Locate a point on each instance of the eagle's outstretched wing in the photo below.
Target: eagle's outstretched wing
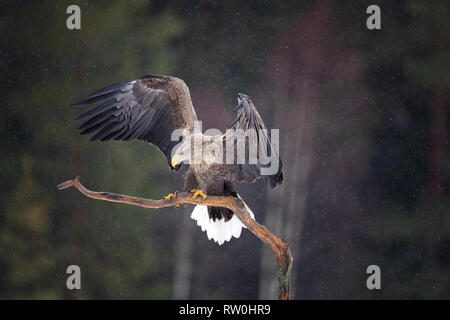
{"x": 250, "y": 124}
{"x": 149, "y": 108}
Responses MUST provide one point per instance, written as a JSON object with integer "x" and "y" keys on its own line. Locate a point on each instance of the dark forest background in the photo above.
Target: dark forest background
{"x": 364, "y": 141}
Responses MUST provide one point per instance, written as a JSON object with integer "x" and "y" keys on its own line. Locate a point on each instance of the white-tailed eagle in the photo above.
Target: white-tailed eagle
{"x": 151, "y": 109}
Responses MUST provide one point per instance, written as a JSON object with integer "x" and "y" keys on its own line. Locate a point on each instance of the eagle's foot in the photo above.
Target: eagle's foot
{"x": 169, "y": 196}
{"x": 198, "y": 192}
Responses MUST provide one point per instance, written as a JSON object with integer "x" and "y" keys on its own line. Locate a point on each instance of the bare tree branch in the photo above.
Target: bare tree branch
{"x": 279, "y": 246}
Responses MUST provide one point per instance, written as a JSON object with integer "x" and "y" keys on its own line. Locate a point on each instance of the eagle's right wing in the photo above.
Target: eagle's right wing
{"x": 149, "y": 108}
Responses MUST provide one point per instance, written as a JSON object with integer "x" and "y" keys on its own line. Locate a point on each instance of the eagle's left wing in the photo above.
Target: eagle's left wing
{"x": 250, "y": 126}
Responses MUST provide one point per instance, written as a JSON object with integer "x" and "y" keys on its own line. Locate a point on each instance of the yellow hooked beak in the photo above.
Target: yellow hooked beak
{"x": 176, "y": 159}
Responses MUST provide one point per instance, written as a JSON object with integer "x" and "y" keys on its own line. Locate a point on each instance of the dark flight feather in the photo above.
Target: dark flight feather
{"x": 139, "y": 109}
{"x": 249, "y": 118}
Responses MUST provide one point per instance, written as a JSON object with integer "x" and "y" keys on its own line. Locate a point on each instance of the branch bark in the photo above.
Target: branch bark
{"x": 279, "y": 246}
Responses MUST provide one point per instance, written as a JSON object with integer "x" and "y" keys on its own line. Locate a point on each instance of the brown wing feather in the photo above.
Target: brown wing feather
{"x": 182, "y": 110}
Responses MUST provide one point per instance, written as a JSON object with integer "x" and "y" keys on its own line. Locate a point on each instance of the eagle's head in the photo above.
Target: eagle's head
{"x": 187, "y": 150}
{"x": 179, "y": 155}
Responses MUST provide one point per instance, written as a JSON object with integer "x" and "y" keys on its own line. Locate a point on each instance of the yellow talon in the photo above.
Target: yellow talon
{"x": 169, "y": 196}
{"x": 177, "y": 206}
{"x": 198, "y": 193}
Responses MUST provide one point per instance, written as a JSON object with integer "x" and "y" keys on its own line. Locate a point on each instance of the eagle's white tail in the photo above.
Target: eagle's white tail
{"x": 219, "y": 230}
